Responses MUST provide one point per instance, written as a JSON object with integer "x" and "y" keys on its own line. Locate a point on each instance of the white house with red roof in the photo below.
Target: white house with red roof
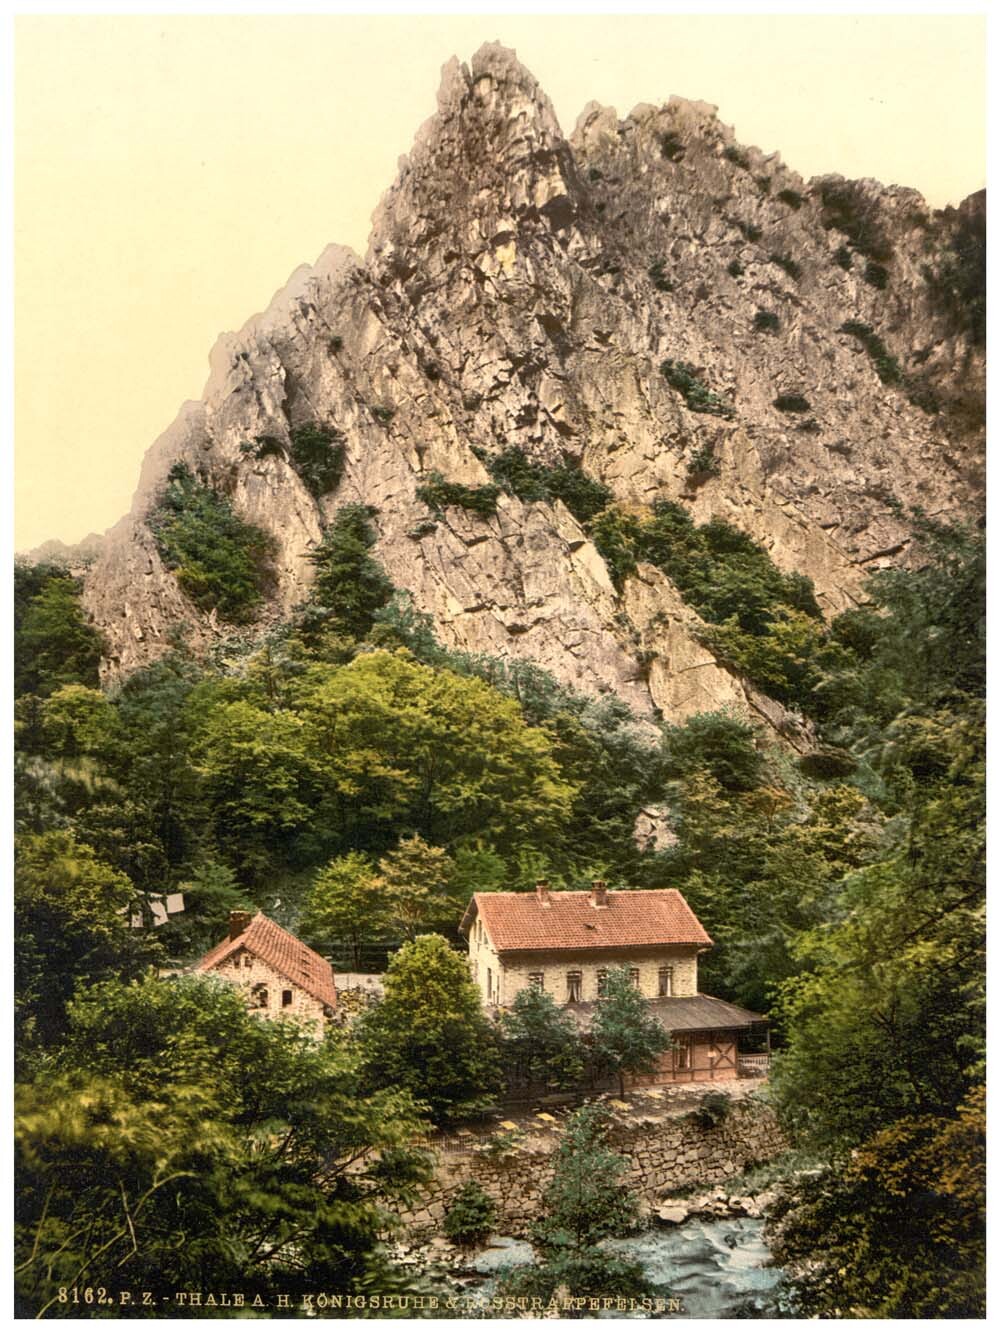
{"x": 565, "y": 943}
{"x": 279, "y": 975}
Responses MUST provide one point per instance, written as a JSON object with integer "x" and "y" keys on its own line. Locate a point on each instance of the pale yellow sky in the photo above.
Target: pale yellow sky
{"x": 171, "y": 172}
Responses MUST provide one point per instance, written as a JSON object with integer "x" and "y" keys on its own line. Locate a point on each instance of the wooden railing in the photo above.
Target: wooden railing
{"x": 756, "y": 1066}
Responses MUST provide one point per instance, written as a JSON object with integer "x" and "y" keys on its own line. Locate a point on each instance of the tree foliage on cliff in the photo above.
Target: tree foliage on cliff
{"x": 220, "y": 561}
{"x": 53, "y": 643}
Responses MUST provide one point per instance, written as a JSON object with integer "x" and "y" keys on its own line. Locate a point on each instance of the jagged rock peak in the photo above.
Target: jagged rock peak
{"x": 527, "y": 293}
{"x": 493, "y": 153}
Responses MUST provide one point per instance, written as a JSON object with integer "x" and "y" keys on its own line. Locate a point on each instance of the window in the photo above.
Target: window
{"x": 682, "y": 1047}
{"x": 602, "y": 980}
{"x": 489, "y": 984}
{"x": 536, "y": 980}
{"x": 574, "y": 987}
{"x": 286, "y": 999}
{"x": 666, "y": 981}
{"x": 247, "y": 960}
{"x": 633, "y": 976}
{"x": 258, "y": 996}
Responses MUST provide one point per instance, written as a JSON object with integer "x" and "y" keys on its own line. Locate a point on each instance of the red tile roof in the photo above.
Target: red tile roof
{"x": 286, "y": 954}
{"x": 633, "y": 918}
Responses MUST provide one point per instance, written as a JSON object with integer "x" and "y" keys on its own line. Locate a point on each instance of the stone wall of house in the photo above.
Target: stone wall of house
{"x": 668, "y": 1153}
{"x": 682, "y": 960}
{"x": 247, "y": 971}
{"x": 484, "y": 965}
{"x": 499, "y": 982}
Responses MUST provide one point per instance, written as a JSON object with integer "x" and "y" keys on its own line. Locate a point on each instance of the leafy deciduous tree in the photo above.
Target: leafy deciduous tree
{"x": 626, "y": 1038}
{"x": 429, "y": 1034}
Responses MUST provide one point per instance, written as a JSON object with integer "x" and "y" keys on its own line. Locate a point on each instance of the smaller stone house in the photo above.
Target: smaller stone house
{"x": 278, "y": 974}
{"x": 565, "y": 944}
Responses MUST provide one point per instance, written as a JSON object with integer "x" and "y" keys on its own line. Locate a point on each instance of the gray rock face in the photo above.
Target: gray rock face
{"x": 522, "y": 289}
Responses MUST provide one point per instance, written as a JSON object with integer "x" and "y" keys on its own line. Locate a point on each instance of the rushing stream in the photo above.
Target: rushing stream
{"x": 717, "y": 1267}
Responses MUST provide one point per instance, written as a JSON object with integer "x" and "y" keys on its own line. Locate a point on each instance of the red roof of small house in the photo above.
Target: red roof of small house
{"x": 264, "y": 938}
{"x": 632, "y": 919}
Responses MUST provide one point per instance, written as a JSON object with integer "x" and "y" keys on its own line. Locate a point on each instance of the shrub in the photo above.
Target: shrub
{"x": 349, "y": 586}
{"x": 876, "y": 275}
{"x": 594, "y": 174}
{"x": 792, "y": 198}
{"x": 471, "y": 1216}
{"x": 847, "y": 209}
{"x": 437, "y": 494}
{"x": 683, "y": 377}
{"x": 766, "y": 321}
{"x": 750, "y": 230}
{"x": 921, "y": 395}
{"x": 703, "y": 463}
{"x": 793, "y": 269}
{"x": 763, "y": 184}
{"x": 335, "y": 344}
{"x": 734, "y": 268}
{"x": 791, "y": 402}
{"x": 958, "y": 280}
{"x": 719, "y": 570}
{"x": 886, "y": 365}
{"x": 221, "y": 562}
{"x": 736, "y": 155}
{"x": 660, "y": 280}
{"x": 843, "y": 257}
{"x": 264, "y": 446}
{"x": 517, "y": 474}
{"x": 317, "y": 455}
{"x": 711, "y": 1111}
{"x": 719, "y": 743}
{"x": 671, "y": 147}
{"x": 315, "y": 452}
{"x": 383, "y": 414}
{"x": 828, "y": 764}
{"x": 617, "y": 536}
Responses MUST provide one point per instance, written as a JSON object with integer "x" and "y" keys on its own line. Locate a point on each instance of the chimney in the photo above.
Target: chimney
{"x": 238, "y": 922}
{"x": 599, "y": 896}
{"x": 542, "y": 893}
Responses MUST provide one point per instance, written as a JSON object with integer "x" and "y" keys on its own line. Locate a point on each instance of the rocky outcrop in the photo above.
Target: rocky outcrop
{"x": 75, "y": 557}
{"x": 522, "y": 289}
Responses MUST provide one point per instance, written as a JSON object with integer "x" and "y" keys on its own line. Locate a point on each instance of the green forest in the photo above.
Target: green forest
{"x": 357, "y": 781}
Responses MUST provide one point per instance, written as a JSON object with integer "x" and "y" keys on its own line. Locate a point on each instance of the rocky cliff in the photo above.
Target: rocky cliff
{"x": 522, "y": 289}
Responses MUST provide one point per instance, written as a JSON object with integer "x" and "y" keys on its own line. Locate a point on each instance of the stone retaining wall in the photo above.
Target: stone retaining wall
{"x": 670, "y": 1152}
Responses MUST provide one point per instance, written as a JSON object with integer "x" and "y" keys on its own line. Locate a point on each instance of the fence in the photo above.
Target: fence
{"x": 755, "y": 1066}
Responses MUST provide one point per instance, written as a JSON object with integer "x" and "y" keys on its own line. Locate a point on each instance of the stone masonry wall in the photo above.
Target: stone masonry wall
{"x": 683, "y": 960}
{"x": 664, "y": 1154}
{"x": 246, "y": 970}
